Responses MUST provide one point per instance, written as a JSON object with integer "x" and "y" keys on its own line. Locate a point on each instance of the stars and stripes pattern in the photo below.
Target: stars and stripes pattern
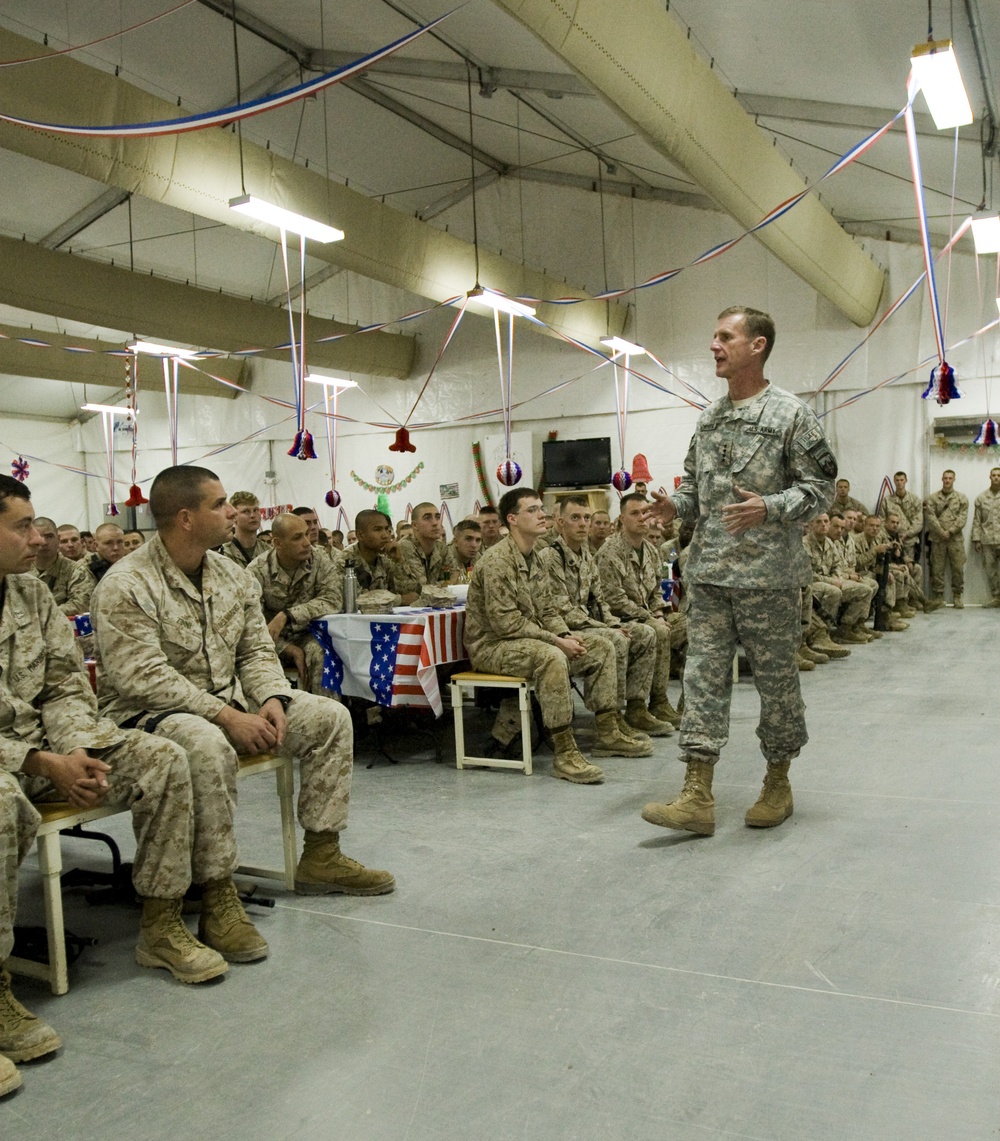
{"x": 391, "y": 660}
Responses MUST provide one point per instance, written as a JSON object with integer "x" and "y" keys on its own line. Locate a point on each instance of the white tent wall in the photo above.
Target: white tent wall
{"x": 55, "y": 492}
{"x": 882, "y": 431}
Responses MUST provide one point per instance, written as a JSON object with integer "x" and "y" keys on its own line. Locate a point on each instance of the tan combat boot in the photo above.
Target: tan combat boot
{"x": 569, "y": 763}
{"x": 23, "y": 1035}
{"x": 822, "y": 641}
{"x": 804, "y": 664}
{"x": 224, "y": 925}
{"x": 662, "y": 710}
{"x": 897, "y": 625}
{"x": 849, "y": 635}
{"x": 958, "y": 602}
{"x": 10, "y": 1079}
{"x": 639, "y": 717}
{"x": 775, "y": 801}
{"x": 324, "y": 869}
{"x": 934, "y": 604}
{"x": 165, "y": 941}
{"x": 812, "y": 655}
{"x": 610, "y": 741}
{"x": 694, "y": 809}
{"x": 992, "y": 604}
{"x": 627, "y": 730}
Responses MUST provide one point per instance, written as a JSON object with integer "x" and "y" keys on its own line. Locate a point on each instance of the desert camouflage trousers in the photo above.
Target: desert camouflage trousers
{"x": 950, "y": 553}
{"x": 767, "y": 624}
{"x": 319, "y": 734}
{"x": 313, "y": 653}
{"x": 549, "y": 670}
{"x": 153, "y": 780}
{"x": 843, "y": 605}
{"x": 991, "y": 565}
{"x": 635, "y": 657}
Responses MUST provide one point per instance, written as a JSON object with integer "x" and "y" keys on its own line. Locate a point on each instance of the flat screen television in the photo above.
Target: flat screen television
{"x": 577, "y": 463}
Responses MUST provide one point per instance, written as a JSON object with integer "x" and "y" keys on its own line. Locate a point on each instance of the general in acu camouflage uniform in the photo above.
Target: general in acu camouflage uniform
{"x": 986, "y": 534}
{"x": 299, "y": 589}
{"x": 185, "y": 654}
{"x": 758, "y": 466}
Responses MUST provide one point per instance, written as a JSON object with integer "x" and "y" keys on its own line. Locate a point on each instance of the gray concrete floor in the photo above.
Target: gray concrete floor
{"x": 551, "y": 967}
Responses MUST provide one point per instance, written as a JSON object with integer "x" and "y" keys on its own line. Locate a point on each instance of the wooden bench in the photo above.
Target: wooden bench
{"x": 61, "y": 817}
{"x": 465, "y": 684}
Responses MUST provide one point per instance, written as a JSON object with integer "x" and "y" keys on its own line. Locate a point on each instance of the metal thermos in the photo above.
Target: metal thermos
{"x": 350, "y": 590}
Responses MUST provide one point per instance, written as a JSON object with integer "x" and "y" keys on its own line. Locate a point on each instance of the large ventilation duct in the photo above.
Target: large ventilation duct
{"x": 638, "y": 59}
{"x": 199, "y": 172}
{"x": 78, "y": 289}
{"x": 18, "y": 357}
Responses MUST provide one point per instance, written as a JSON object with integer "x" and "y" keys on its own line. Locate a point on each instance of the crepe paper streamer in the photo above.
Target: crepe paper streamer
{"x": 232, "y": 114}
{"x": 477, "y": 460}
{"x": 887, "y": 488}
{"x": 717, "y": 251}
{"x": 382, "y": 503}
{"x": 437, "y": 360}
{"x": 621, "y": 481}
{"x": 92, "y": 43}
{"x": 402, "y": 443}
{"x": 19, "y": 469}
{"x": 945, "y": 386}
{"x": 987, "y": 437}
{"x": 394, "y": 487}
{"x": 170, "y": 387}
{"x": 508, "y": 472}
{"x": 942, "y": 384}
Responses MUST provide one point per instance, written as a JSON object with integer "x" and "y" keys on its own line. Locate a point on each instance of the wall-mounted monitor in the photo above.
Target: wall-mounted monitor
{"x": 576, "y": 463}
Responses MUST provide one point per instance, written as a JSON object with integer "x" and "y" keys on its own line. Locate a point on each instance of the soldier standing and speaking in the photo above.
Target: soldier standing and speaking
{"x": 758, "y": 466}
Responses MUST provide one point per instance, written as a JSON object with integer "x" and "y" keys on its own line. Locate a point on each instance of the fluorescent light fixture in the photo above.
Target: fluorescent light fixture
{"x": 112, "y": 408}
{"x": 285, "y": 219}
{"x": 335, "y": 382}
{"x": 986, "y": 233}
{"x": 936, "y": 70}
{"x": 617, "y": 345}
{"x": 498, "y": 303}
{"x": 162, "y": 350}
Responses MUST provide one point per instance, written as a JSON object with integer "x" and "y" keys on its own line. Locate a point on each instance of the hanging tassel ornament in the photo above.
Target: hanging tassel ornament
{"x": 19, "y": 469}
{"x": 332, "y": 498}
{"x": 509, "y": 472}
{"x": 987, "y": 437}
{"x": 621, "y": 481}
{"x": 135, "y": 496}
{"x": 942, "y": 384}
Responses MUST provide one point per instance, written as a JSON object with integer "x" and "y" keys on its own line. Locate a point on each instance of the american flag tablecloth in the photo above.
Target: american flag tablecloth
{"x": 390, "y": 658}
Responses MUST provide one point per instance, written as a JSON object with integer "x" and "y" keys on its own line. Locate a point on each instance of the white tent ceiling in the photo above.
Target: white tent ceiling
{"x": 818, "y": 77}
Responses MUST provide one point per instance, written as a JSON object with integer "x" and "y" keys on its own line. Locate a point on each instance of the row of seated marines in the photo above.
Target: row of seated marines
{"x": 189, "y": 631}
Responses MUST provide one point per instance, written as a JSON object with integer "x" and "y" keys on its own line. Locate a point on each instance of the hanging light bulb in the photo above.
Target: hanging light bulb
{"x": 935, "y": 68}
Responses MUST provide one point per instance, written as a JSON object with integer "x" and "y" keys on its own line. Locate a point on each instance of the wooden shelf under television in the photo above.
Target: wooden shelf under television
{"x": 597, "y": 497}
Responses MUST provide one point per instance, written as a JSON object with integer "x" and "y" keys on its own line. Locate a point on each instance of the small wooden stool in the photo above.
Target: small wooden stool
{"x": 465, "y": 684}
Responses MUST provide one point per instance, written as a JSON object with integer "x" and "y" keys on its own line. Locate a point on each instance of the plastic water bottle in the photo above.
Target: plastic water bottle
{"x": 350, "y": 590}
{"x": 666, "y": 582}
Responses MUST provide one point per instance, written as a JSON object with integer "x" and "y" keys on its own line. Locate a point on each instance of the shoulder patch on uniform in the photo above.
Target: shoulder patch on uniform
{"x": 824, "y": 458}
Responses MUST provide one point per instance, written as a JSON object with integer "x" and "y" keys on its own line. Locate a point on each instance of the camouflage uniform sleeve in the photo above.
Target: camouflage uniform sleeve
{"x": 573, "y": 617}
{"x": 257, "y": 664}
{"x": 961, "y": 513}
{"x": 812, "y": 469}
{"x": 79, "y": 588}
{"x": 329, "y": 597}
{"x": 127, "y": 630}
{"x": 931, "y": 521}
{"x": 506, "y": 619}
{"x": 67, "y": 702}
{"x": 613, "y": 573}
{"x": 978, "y": 519}
{"x": 685, "y": 497}
{"x": 408, "y": 572}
